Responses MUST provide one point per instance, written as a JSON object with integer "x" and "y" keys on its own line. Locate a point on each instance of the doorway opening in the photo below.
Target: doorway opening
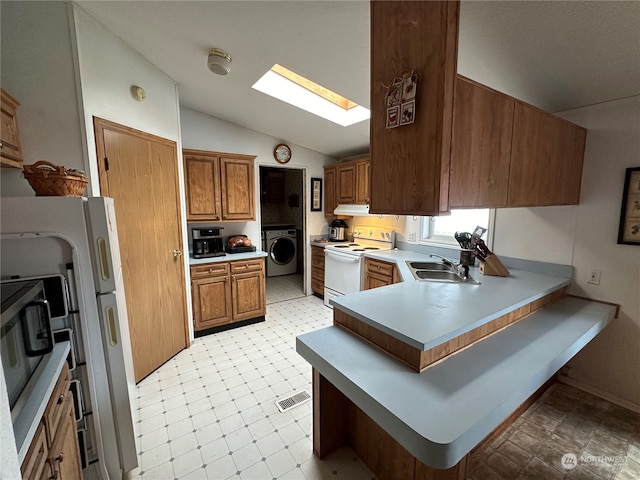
{"x": 282, "y": 216}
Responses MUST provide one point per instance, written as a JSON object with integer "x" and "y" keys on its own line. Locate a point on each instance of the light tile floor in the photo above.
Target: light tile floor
{"x": 209, "y": 413}
{"x": 284, "y": 287}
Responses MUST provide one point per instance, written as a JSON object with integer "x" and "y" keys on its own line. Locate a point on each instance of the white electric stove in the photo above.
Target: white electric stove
{"x": 343, "y": 267}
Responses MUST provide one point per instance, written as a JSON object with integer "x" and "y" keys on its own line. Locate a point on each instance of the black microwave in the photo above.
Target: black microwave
{"x": 25, "y": 335}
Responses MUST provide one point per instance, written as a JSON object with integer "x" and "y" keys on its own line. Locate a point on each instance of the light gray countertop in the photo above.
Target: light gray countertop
{"x": 427, "y": 314}
{"x": 229, "y": 257}
{"x": 439, "y": 415}
{"x": 25, "y": 425}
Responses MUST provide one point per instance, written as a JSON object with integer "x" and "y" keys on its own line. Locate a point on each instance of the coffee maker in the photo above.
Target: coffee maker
{"x": 207, "y": 242}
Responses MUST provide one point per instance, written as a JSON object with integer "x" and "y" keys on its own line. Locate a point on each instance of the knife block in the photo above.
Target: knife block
{"x": 493, "y": 266}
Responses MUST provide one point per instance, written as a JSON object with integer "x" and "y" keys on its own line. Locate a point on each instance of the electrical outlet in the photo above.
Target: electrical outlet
{"x": 412, "y": 237}
{"x": 594, "y": 277}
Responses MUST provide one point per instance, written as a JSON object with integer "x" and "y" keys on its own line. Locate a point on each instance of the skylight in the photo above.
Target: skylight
{"x": 296, "y": 90}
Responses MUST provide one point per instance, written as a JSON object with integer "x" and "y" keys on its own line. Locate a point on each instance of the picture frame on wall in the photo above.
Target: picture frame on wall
{"x": 629, "y": 229}
{"x": 316, "y": 194}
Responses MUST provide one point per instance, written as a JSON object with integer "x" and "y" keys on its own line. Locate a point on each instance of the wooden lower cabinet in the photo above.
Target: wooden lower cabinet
{"x": 317, "y": 270}
{"x": 54, "y": 451}
{"x": 35, "y": 464}
{"x": 378, "y": 273}
{"x": 227, "y": 292}
{"x": 248, "y": 290}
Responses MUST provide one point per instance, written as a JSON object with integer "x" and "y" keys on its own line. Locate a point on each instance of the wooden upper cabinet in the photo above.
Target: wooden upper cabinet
{"x": 346, "y": 184}
{"x": 10, "y": 150}
{"x": 219, "y": 186}
{"x": 363, "y": 179}
{"x": 506, "y": 153}
{"x": 202, "y": 182}
{"x": 481, "y": 146}
{"x": 330, "y": 190}
{"x": 546, "y": 159}
{"x": 410, "y": 163}
{"x": 238, "y": 185}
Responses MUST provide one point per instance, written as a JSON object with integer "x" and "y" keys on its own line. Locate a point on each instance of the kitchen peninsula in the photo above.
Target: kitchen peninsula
{"x": 422, "y": 420}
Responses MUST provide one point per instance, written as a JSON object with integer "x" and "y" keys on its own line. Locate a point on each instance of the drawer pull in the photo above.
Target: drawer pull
{"x": 61, "y": 399}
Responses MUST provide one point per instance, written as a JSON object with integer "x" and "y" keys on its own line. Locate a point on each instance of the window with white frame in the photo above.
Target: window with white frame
{"x": 440, "y": 230}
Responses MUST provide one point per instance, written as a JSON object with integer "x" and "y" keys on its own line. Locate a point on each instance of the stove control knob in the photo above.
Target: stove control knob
{"x": 370, "y": 233}
{"x": 382, "y": 234}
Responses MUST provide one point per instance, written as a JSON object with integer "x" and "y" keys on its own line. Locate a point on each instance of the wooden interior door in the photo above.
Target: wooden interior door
{"x": 140, "y": 172}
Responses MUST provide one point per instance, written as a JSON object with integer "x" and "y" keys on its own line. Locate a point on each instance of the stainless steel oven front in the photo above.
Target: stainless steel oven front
{"x": 25, "y": 336}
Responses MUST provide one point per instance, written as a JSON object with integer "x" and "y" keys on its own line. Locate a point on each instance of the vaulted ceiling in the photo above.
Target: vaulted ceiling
{"x": 554, "y": 54}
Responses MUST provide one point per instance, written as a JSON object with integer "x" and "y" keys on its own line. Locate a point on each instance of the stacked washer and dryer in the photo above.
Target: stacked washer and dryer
{"x": 280, "y": 243}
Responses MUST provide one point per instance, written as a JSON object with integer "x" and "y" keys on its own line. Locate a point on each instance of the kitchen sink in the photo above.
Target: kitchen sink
{"x": 437, "y": 272}
{"x": 428, "y": 266}
{"x": 437, "y": 275}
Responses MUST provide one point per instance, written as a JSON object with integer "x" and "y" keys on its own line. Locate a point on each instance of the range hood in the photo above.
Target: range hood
{"x": 352, "y": 210}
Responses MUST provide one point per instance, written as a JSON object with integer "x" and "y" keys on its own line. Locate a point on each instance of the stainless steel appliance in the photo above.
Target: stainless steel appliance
{"x": 207, "y": 242}
{"x": 26, "y": 338}
{"x": 338, "y": 231}
{"x": 343, "y": 264}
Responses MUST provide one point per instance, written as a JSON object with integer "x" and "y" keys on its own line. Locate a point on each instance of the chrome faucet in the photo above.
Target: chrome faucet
{"x": 445, "y": 260}
{"x": 461, "y": 269}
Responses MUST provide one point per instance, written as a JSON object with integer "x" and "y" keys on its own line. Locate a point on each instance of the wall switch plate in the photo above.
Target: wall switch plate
{"x": 412, "y": 237}
{"x": 594, "y": 277}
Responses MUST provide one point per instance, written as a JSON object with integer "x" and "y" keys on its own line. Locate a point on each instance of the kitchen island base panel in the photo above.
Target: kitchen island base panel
{"x": 419, "y": 360}
{"x": 338, "y": 422}
{"x": 440, "y": 415}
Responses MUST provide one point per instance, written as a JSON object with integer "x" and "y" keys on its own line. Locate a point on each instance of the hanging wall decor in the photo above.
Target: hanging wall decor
{"x": 401, "y": 100}
{"x": 316, "y": 194}
{"x": 629, "y": 229}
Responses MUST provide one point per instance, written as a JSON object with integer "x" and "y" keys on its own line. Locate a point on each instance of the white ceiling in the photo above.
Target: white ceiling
{"x": 556, "y": 55}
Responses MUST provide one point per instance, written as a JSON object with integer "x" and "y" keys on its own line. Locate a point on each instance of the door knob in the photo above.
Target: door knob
{"x": 176, "y": 253}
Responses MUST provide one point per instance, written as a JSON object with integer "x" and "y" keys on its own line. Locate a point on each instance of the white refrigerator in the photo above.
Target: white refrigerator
{"x": 41, "y": 235}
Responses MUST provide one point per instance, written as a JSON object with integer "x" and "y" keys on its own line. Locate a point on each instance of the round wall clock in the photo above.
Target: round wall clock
{"x": 282, "y": 153}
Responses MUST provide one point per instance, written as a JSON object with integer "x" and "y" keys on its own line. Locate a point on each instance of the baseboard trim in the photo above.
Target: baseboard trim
{"x": 599, "y": 393}
{"x": 228, "y": 326}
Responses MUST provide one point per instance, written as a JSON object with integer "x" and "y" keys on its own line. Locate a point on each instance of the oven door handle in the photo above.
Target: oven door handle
{"x": 38, "y": 337}
{"x": 341, "y": 257}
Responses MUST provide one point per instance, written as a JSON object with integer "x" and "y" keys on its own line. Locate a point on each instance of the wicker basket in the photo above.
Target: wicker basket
{"x": 48, "y": 179}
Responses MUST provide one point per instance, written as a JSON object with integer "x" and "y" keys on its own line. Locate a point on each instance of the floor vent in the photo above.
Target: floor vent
{"x": 293, "y": 401}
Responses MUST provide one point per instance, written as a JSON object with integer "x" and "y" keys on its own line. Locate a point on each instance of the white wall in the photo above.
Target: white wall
{"x": 38, "y": 71}
{"x": 203, "y": 132}
{"x": 611, "y": 362}
{"x": 107, "y": 68}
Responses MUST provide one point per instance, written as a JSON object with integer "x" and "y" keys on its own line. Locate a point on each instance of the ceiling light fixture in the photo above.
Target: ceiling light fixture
{"x": 219, "y": 61}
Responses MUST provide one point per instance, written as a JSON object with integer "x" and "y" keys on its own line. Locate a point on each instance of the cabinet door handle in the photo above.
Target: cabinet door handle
{"x": 61, "y": 399}
{"x": 176, "y": 253}
{"x": 60, "y": 458}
